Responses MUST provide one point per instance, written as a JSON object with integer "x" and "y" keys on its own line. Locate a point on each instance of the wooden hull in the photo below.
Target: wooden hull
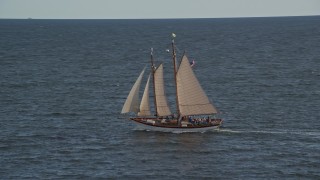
{"x": 155, "y": 124}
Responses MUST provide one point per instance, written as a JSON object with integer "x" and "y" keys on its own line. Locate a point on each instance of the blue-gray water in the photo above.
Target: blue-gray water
{"x": 63, "y": 84}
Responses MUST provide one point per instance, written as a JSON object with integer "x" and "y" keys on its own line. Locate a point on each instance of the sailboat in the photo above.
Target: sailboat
{"x": 194, "y": 111}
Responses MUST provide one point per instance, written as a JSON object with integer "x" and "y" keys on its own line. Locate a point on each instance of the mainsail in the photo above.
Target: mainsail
{"x": 162, "y": 105}
{"x": 191, "y": 97}
{"x": 144, "y": 106}
{"x": 132, "y": 102}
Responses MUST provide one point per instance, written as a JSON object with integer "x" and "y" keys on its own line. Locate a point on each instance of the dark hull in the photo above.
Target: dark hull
{"x": 173, "y": 123}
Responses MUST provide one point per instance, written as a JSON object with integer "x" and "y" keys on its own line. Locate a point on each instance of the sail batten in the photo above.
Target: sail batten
{"x": 144, "y": 106}
{"x": 132, "y": 101}
{"x": 191, "y": 96}
{"x": 161, "y": 100}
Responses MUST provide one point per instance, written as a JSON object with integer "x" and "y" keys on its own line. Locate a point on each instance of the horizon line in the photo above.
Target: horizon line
{"x": 177, "y": 18}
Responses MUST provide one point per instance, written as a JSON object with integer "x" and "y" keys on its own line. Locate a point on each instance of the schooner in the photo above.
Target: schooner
{"x": 194, "y": 110}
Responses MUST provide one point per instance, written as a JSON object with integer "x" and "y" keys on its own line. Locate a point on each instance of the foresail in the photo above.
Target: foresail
{"x": 162, "y": 105}
{"x": 144, "y": 106}
{"x": 192, "y": 99}
{"x": 132, "y": 102}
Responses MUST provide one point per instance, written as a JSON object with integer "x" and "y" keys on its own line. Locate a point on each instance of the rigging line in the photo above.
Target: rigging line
{"x": 178, "y": 50}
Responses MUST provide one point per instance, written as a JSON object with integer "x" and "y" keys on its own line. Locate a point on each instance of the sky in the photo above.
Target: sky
{"x": 151, "y": 9}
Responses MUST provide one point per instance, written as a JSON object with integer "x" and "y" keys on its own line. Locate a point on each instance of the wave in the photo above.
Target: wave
{"x": 285, "y": 132}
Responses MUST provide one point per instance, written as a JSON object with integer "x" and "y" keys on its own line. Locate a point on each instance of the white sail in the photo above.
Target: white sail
{"x": 132, "y": 102}
{"x": 162, "y": 105}
{"x": 191, "y": 97}
{"x": 144, "y": 106}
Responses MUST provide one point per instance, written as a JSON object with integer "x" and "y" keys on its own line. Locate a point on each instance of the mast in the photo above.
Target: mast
{"x": 153, "y": 82}
{"x": 175, "y": 72}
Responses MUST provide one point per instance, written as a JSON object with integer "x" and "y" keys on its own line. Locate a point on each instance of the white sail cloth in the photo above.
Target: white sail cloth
{"x": 132, "y": 101}
{"x": 161, "y": 100}
{"x": 144, "y": 106}
{"x": 191, "y": 97}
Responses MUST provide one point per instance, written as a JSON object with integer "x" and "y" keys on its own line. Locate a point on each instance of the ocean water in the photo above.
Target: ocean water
{"x": 63, "y": 84}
